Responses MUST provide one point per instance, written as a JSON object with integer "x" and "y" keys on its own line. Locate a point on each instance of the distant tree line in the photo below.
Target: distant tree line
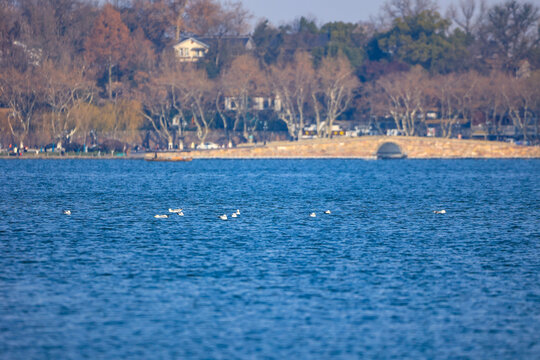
{"x": 81, "y": 72}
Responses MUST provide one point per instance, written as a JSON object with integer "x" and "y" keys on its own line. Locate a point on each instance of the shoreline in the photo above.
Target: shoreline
{"x": 268, "y": 158}
{"x": 367, "y": 148}
{"x": 363, "y": 148}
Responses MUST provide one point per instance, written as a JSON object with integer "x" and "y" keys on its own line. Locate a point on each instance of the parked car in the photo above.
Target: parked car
{"x": 207, "y": 146}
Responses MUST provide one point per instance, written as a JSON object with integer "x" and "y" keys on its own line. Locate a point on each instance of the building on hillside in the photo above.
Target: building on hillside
{"x": 237, "y": 44}
{"x": 266, "y": 103}
{"x": 257, "y": 103}
{"x": 193, "y": 49}
{"x": 190, "y": 50}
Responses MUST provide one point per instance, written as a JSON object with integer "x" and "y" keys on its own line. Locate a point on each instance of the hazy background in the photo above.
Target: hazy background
{"x": 280, "y": 11}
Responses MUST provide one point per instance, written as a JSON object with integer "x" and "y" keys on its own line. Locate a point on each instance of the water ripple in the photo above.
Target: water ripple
{"x": 380, "y": 277}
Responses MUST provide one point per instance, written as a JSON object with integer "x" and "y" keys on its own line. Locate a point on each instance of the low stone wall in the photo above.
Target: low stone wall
{"x": 425, "y": 148}
{"x": 366, "y": 148}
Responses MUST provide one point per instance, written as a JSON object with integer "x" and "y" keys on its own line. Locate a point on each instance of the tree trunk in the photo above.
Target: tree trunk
{"x": 223, "y": 118}
{"x": 245, "y": 132}
{"x": 317, "y": 114}
{"x": 110, "y": 81}
{"x": 300, "y": 118}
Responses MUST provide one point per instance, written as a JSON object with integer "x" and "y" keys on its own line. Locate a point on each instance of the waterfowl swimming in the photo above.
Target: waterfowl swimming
{"x": 313, "y": 214}
{"x": 161, "y": 216}
{"x": 223, "y": 217}
{"x": 439, "y": 211}
{"x": 180, "y": 213}
{"x": 66, "y": 212}
{"x": 175, "y": 210}
{"x": 327, "y": 212}
{"x": 234, "y": 215}
{"x": 237, "y": 212}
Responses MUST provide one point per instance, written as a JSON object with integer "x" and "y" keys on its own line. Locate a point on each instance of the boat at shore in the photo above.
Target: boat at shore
{"x": 169, "y": 158}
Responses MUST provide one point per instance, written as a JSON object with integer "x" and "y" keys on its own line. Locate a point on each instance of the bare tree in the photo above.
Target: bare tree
{"x": 510, "y": 32}
{"x": 468, "y": 15}
{"x": 337, "y": 82}
{"x": 373, "y": 101}
{"x": 177, "y": 10}
{"x": 22, "y": 92}
{"x": 488, "y": 98}
{"x": 212, "y": 18}
{"x": 65, "y": 88}
{"x": 157, "y": 106}
{"x": 243, "y": 81}
{"x": 192, "y": 96}
{"x": 404, "y": 8}
{"x": 521, "y": 100}
{"x": 405, "y": 98}
{"x": 453, "y": 93}
{"x": 87, "y": 116}
{"x": 202, "y": 107}
{"x": 292, "y": 83}
{"x": 394, "y": 9}
{"x": 220, "y": 106}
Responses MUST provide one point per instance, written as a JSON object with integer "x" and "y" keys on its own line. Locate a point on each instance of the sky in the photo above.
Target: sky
{"x": 283, "y": 11}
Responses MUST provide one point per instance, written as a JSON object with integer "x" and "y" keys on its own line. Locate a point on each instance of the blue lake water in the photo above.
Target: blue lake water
{"x": 380, "y": 277}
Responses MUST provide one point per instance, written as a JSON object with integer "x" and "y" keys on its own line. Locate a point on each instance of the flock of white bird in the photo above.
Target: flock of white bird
{"x": 180, "y": 212}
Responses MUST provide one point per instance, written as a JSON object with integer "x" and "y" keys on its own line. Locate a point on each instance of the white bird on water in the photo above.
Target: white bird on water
{"x": 161, "y": 216}
{"x": 328, "y": 212}
{"x": 180, "y": 213}
{"x": 313, "y": 214}
{"x": 234, "y": 215}
{"x": 66, "y": 212}
{"x": 223, "y": 217}
{"x": 439, "y": 211}
{"x": 237, "y": 212}
{"x": 175, "y": 210}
